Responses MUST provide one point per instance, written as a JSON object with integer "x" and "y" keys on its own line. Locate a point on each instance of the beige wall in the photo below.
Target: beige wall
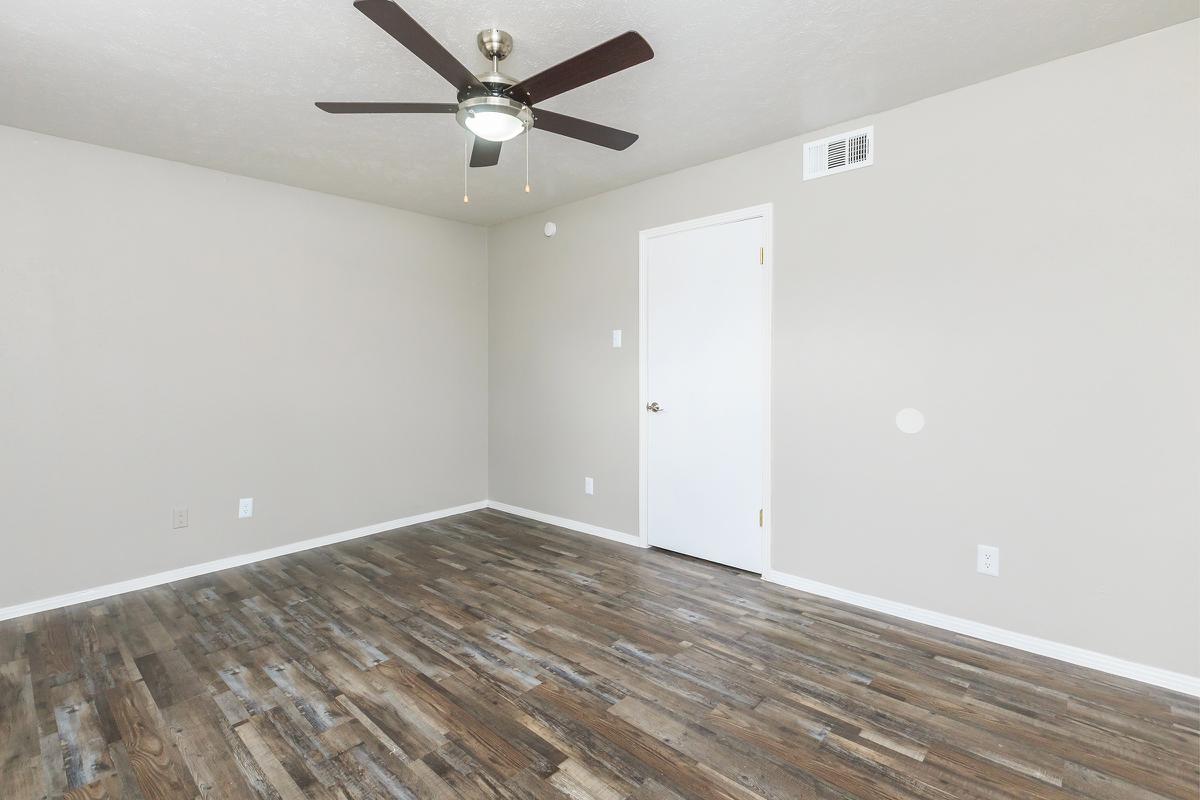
{"x": 172, "y": 335}
{"x": 1022, "y": 263}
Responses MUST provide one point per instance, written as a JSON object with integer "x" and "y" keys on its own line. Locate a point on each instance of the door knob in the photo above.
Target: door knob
{"x": 653, "y": 407}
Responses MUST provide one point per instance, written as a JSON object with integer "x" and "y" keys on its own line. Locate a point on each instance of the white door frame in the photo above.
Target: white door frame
{"x": 766, "y": 213}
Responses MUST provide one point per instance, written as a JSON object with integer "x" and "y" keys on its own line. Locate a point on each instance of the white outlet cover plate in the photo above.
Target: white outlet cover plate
{"x": 246, "y": 508}
{"x": 988, "y": 560}
{"x": 617, "y": 338}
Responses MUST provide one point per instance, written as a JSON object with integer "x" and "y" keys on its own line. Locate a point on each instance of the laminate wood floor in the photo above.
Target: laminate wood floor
{"x": 487, "y": 656}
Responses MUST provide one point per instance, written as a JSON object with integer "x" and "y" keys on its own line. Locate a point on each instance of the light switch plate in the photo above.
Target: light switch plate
{"x": 588, "y": 486}
{"x": 246, "y": 508}
{"x": 617, "y": 338}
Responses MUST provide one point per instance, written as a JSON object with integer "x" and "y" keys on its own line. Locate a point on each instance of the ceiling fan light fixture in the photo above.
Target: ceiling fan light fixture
{"x": 494, "y": 126}
{"x": 497, "y": 119}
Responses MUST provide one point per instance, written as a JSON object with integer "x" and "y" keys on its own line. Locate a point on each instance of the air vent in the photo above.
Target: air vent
{"x": 835, "y": 154}
{"x": 839, "y": 153}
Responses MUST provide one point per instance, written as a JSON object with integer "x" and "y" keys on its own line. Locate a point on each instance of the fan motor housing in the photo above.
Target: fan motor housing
{"x": 496, "y": 81}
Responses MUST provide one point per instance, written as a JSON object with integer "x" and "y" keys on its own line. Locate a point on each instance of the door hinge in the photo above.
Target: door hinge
{"x": 760, "y": 518}
{"x": 762, "y": 255}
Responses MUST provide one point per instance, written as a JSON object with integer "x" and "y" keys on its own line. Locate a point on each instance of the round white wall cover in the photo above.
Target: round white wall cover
{"x": 550, "y": 229}
{"x": 909, "y": 420}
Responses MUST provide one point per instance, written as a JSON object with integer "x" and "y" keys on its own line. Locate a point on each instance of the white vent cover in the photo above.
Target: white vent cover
{"x": 839, "y": 153}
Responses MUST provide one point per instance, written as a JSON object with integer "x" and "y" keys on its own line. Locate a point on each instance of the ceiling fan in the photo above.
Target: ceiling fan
{"x": 493, "y": 106}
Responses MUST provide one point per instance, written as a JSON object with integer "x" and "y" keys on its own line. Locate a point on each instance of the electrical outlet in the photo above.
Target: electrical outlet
{"x": 588, "y": 486}
{"x": 179, "y": 517}
{"x": 987, "y": 560}
{"x": 246, "y": 508}
{"x": 616, "y": 338}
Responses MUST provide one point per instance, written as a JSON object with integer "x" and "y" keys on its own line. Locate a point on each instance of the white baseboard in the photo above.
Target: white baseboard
{"x": 1176, "y": 681}
{"x": 1156, "y": 676}
{"x": 159, "y": 578}
{"x": 569, "y": 524}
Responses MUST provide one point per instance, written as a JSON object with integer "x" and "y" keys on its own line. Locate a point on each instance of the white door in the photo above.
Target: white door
{"x": 705, "y": 380}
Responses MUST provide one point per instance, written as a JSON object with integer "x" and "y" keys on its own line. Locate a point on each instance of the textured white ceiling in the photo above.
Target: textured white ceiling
{"x": 229, "y": 84}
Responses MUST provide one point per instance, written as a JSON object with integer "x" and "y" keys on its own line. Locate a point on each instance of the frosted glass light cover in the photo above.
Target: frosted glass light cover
{"x": 494, "y": 126}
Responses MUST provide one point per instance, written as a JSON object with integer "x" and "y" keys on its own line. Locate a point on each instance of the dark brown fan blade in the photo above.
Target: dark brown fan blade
{"x": 617, "y": 54}
{"x": 485, "y": 153}
{"x": 388, "y": 108}
{"x": 582, "y": 129}
{"x": 405, "y": 30}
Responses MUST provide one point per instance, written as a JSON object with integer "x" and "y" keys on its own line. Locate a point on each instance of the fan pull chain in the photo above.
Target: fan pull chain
{"x": 527, "y": 132}
{"x": 466, "y": 166}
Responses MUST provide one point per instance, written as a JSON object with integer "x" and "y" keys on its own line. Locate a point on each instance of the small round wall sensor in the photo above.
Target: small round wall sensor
{"x": 550, "y": 229}
{"x": 909, "y": 420}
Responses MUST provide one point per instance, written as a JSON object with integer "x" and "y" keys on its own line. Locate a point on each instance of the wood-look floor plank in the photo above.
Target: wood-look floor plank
{"x": 154, "y": 760}
{"x": 84, "y": 749}
{"x": 19, "y": 746}
{"x": 215, "y": 756}
{"x": 488, "y": 656}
